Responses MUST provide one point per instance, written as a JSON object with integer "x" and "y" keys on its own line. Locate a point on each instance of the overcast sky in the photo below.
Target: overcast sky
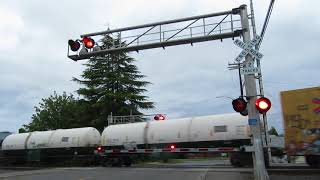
{"x": 186, "y": 79}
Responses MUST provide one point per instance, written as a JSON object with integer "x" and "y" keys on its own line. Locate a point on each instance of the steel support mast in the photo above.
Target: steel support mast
{"x": 260, "y": 171}
{"x": 261, "y": 89}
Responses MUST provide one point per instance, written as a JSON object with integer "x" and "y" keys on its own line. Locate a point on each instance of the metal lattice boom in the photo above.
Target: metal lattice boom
{"x": 189, "y": 30}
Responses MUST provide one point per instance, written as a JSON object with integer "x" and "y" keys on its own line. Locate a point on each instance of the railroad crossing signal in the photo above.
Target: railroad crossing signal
{"x": 248, "y": 48}
{"x": 88, "y": 42}
{"x": 263, "y": 104}
{"x": 159, "y": 117}
{"x": 74, "y": 45}
{"x": 249, "y": 68}
{"x": 240, "y": 106}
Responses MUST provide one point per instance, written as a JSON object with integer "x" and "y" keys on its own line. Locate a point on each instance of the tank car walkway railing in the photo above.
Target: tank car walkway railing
{"x": 130, "y": 119}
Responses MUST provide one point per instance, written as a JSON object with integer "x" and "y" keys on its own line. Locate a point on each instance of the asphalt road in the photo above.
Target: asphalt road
{"x": 89, "y": 173}
{"x": 197, "y": 163}
{"x": 121, "y": 173}
{"x": 186, "y": 170}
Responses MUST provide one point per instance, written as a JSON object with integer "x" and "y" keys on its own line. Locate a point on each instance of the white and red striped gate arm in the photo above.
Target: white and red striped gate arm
{"x": 175, "y": 150}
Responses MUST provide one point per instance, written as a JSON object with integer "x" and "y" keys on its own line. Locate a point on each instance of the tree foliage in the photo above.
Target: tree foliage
{"x": 112, "y": 83}
{"x": 56, "y": 112}
{"x": 273, "y": 131}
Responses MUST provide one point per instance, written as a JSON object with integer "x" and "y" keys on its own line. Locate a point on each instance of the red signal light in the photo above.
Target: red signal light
{"x": 74, "y": 45}
{"x": 263, "y": 104}
{"x": 159, "y": 117}
{"x": 100, "y": 149}
{"x": 88, "y": 42}
{"x": 239, "y": 105}
{"x": 172, "y": 146}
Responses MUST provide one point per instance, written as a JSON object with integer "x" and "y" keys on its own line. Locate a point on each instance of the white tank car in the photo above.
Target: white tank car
{"x": 78, "y": 137}
{"x": 15, "y": 141}
{"x": 226, "y": 127}
{"x": 125, "y": 134}
{"x": 39, "y": 139}
{"x": 61, "y": 138}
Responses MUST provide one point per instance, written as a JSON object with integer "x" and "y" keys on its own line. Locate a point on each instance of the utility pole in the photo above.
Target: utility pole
{"x": 260, "y": 171}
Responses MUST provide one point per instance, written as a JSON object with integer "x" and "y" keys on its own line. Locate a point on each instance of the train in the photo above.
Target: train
{"x": 50, "y": 147}
{"x": 223, "y": 131}
{"x": 3, "y": 135}
{"x": 120, "y": 144}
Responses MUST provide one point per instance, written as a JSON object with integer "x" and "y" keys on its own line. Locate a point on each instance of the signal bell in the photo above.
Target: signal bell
{"x": 263, "y": 104}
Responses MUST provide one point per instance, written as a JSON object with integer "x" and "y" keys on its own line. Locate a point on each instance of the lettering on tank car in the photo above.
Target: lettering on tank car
{"x": 64, "y": 139}
{"x": 218, "y": 129}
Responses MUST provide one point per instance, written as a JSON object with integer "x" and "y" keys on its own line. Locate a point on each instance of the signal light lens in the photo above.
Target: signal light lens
{"x": 100, "y": 149}
{"x": 239, "y": 105}
{"x": 159, "y": 117}
{"x": 172, "y": 146}
{"x": 263, "y": 104}
{"x": 88, "y": 42}
{"x": 74, "y": 45}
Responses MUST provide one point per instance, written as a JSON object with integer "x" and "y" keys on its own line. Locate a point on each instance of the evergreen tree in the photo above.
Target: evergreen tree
{"x": 112, "y": 83}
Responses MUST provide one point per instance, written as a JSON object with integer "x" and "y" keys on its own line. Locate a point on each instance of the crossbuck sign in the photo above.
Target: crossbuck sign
{"x": 248, "y": 48}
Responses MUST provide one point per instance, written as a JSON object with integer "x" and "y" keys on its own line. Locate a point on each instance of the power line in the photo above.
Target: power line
{"x": 288, "y": 83}
{"x": 266, "y": 22}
